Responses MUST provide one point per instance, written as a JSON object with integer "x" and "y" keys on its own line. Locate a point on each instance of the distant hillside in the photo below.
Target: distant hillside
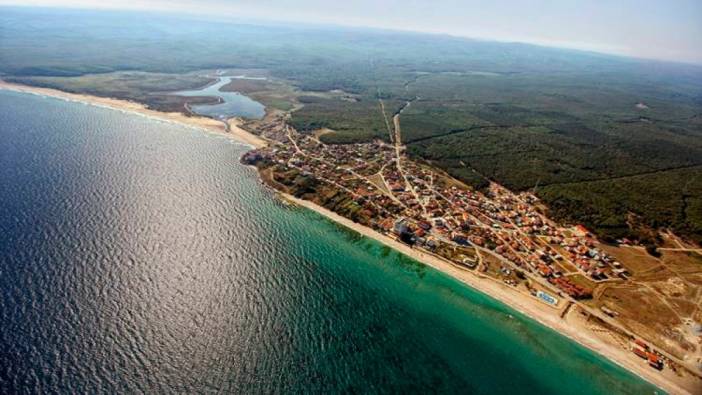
{"x": 602, "y": 139}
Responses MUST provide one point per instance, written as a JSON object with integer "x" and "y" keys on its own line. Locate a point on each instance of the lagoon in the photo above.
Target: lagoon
{"x": 233, "y": 104}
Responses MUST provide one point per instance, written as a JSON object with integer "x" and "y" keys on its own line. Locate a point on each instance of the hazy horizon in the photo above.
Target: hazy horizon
{"x": 645, "y": 29}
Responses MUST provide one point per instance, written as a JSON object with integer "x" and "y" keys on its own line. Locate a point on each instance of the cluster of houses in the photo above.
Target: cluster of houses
{"x": 426, "y": 208}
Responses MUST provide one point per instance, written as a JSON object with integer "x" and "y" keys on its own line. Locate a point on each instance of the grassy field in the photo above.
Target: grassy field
{"x": 660, "y": 301}
{"x": 271, "y": 93}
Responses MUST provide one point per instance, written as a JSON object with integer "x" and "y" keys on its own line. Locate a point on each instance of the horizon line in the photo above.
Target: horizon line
{"x": 233, "y": 19}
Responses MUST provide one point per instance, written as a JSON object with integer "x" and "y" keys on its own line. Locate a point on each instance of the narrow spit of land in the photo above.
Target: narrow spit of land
{"x": 230, "y": 128}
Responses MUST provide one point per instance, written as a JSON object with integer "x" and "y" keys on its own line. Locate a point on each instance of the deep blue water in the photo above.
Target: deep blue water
{"x": 140, "y": 256}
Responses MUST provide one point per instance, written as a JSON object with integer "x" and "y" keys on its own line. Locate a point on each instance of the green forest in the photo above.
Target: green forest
{"x": 600, "y": 139}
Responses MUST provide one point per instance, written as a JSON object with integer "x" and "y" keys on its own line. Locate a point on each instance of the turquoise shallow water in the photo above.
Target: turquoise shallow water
{"x": 140, "y": 256}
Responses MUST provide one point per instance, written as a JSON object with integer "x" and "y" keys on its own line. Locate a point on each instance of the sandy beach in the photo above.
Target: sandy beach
{"x": 529, "y": 306}
{"x": 208, "y": 124}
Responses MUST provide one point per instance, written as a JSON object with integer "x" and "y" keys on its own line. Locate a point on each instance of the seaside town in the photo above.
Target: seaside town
{"x": 493, "y": 232}
{"x": 431, "y": 211}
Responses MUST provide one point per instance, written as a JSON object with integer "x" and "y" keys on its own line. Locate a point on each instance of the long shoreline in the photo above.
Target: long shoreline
{"x": 533, "y": 309}
{"x": 529, "y": 307}
{"x": 208, "y": 124}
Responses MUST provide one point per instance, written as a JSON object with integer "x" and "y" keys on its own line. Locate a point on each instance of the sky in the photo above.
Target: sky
{"x": 654, "y": 29}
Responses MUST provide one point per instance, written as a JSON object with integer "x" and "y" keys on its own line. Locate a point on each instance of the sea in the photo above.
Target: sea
{"x": 140, "y": 256}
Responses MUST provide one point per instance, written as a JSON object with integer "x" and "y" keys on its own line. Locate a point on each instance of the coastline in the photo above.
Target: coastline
{"x": 232, "y": 130}
{"x": 530, "y": 307}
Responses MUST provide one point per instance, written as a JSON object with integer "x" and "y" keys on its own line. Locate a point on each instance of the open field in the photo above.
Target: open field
{"x": 270, "y": 92}
{"x": 662, "y": 300}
